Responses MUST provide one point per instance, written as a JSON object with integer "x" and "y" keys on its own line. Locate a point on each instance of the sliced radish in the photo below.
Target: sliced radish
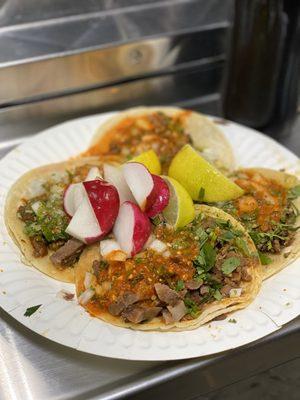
{"x": 160, "y": 197}
{"x": 73, "y": 197}
{"x": 84, "y": 225}
{"x": 132, "y": 228}
{"x": 104, "y": 199}
{"x": 74, "y": 193}
{"x": 140, "y": 182}
{"x": 115, "y": 176}
{"x": 111, "y": 250}
{"x": 94, "y": 173}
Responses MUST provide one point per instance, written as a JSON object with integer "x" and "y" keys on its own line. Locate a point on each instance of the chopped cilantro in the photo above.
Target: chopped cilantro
{"x": 138, "y": 260}
{"x": 156, "y": 220}
{"x": 294, "y": 192}
{"x": 227, "y": 236}
{"x": 232, "y": 320}
{"x": 31, "y": 310}
{"x": 206, "y": 258}
{"x": 242, "y": 245}
{"x": 179, "y": 285}
{"x": 201, "y": 194}
{"x": 201, "y": 235}
{"x": 217, "y": 294}
{"x": 230, "y": 264}
{"x": 192, "y": 307}
{"x": 264, "y": 259}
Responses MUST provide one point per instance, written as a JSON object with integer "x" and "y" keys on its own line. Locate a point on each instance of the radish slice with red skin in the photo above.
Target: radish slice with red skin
{"x": 140, "y": 182}
{"x": 74, "y": 193}
{"x": 84, "y": 225}
{"x": 132, "y": 228}
{"x": 104, "y": 199}
{"x": 114, "y": 175}
{"x": 160, "y": 197}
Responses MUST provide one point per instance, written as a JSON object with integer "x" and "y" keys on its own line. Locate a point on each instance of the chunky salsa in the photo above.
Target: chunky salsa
{"x": 134, "y": 135}
{"x": 267, "y": 211}
{"x": 203, "y": 262}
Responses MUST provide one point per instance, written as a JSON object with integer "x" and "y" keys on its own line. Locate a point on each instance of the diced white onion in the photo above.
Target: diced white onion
{"x": 166, "y": 253}
{"x": 36, "y": 188}
{"x": 236, "y": 292}
{"x": 107, "y": 246}
{"x": 111, "y": 250}
{"x": 158, "y": 245}
{"x": 149, "y": 241}
{"x": 93, "y": 174}
{"x": 86, "y": 296}
{"x": 35, "y": 206}
{"x": 88, "y": 280}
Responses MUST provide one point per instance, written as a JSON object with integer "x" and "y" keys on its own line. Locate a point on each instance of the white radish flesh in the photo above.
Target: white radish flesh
{"x": 114, "y": 175}
{"x": 140, "y": 182}
{"x": 73, "y": 197}
{"x": 94, "y": 173}
{"x": 84, "y": 225}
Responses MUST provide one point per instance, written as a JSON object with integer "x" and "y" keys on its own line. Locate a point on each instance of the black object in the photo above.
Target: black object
{"x": 261, "y": 88}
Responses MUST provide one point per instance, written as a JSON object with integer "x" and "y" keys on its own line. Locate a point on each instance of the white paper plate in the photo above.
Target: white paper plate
{"x": 67, "y": 323}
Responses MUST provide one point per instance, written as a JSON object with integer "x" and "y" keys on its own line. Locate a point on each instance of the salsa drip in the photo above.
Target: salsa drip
{"x": 46, "y": 221}
{"x": 266, "y": 209}
{"x": 134, "y": 135}
{"x": 204, "y": 262}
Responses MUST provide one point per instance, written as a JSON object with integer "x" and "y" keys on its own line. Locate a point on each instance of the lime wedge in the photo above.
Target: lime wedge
{"x": 150, "y": 160}
{"x": 180, "y": 210}
{"x": 201, "y": 179}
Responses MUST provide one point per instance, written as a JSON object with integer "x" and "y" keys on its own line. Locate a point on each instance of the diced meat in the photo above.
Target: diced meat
{"x": 167, "y": 316}
{"x": 193, "y": 284}
{"x": 245, "y": 275}
{"x": 220, "y": 317}
{"x": 195, "y": 296}
{"x": 137, "y": 314}
{"x": 67, "y": 254}
{"x": 226, "y": 290}
{"x": 96, "y": 267}
{"x": 116, "y": 307}
{"x": 182, "y": 293}
{"x": 166, "y": 294}
{"x": 26, "y": 214}
{"x": 178, "y": 310}
{"x": 204, "y": 290}
{"x": 39, "y": 246}
{"x": 122, "y": 302}
{"x": 130, "y": 298}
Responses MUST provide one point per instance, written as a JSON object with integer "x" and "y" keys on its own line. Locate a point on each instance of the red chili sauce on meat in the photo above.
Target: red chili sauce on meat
{"x": 201, "y": 264}
{"x": 134, "y": 135}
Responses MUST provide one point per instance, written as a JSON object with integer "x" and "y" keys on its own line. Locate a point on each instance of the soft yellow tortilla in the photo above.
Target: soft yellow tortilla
{"x": 15, "y": 226}
{"x": 206, "y": 136}
{"x": 290, "y": 253}
{"x": 210, "y": 311}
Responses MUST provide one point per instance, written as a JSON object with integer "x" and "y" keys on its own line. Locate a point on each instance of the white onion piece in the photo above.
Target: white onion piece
{"x": 236, "y": 292}
{"x": 158, "y": 245}
{"x": 94, "y": 173}
{"x": 36, "y": 188}
{"x": 35, "y": 206}
{"x": 86, "y": 296}
{"x": 111, "y": 250}
{"x": 166, "y": 253}
{"x": 149, "y": 241}
{"x": 88, "y": 280}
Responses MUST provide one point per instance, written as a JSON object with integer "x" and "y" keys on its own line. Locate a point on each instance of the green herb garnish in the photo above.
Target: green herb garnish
{"x": 230, "y": 264}
{"x": 201, "y": 194}
{"x": 31, "y": 310}
{"x": 192, "y": 307}
{"x": 264, "y": 259}
{"x": 179, "y": 285}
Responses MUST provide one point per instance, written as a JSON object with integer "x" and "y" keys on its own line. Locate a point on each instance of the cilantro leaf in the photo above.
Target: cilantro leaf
{"x": 192, "y": 307}
{"x": 230, "y": 264}
{"x": 217, "y": 294}
{"x": 242, "y": 245}
{"x": 31, "y": 310}
{"x": 209, "y": 254}
{"x": 264, "y": 259}
{"x": 294, "y": 192}
{"x": 179, "y": 285}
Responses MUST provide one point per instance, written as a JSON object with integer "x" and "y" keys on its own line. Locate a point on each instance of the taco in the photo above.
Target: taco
{"x": 269, "y": 210}
{"x": 187, "y": 278}
{"x": 165, "y": 130}
{"x": 36, "y": 219}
